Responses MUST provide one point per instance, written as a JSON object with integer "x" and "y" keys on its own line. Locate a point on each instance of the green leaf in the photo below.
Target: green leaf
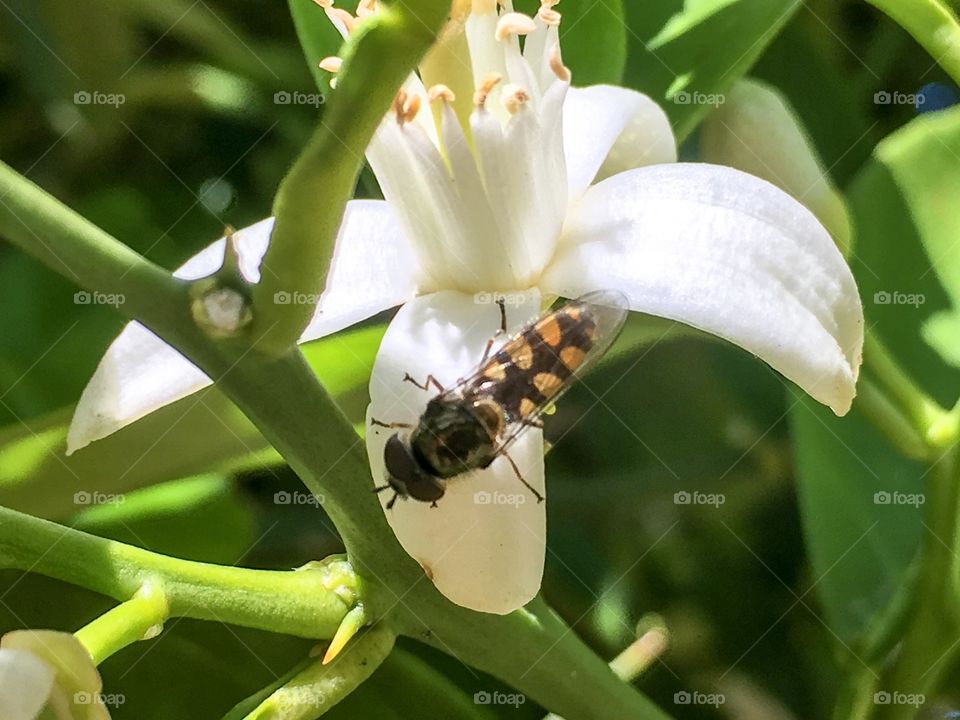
{"x": 860, "y": 543}
{"x": 318, "y": 37}
{"x": 175, "y": 518}
{"x": 687, "y": 58}
{"x": 932, "y": 24}
{"x": 908, "y": 262}
{"x": 202, "y": 433}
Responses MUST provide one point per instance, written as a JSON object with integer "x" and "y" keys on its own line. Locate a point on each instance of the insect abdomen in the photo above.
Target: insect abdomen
{"x": 532, "y": 368}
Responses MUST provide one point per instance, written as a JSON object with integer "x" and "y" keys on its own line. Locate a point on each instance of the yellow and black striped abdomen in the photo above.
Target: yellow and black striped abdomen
{"x": 531, "y": 369}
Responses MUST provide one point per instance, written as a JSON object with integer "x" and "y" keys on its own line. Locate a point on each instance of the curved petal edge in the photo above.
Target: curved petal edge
{"x": 728, "y": 253}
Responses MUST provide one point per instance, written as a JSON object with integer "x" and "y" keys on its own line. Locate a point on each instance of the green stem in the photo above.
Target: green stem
{"x": 936, "y": 427}
{"x": 932, "y": 24}
{"x": 310, "y": 202}
{"x": 307, "y": 603}
{"x": 899, "y": 429}
{"x": 312, "y": 692}
{"x": 929, "y": 641}
{"x": 534, "y": 651}
{"x": 135, "y": 619}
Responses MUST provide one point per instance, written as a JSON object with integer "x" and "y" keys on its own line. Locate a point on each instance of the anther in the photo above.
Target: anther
{"x": 513, "y": 98}
{"x": 348, "y": 20}
{"x": 514, "y": 23}
{"x": 441, "y": 92}
{"x": 486, "y": 86}
{"x": 331, "y": 64}
{"x": 406, "y": 106}
{"x": 548, "y": 15}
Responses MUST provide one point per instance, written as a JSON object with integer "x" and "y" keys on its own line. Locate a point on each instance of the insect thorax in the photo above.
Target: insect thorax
{"x": 457, "y": 435}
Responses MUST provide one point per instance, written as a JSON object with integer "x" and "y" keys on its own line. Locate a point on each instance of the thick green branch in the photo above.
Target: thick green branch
{"x": 80, "y": 251}
{"x": 312, "y": 692}
{"x": 139, "y": 618}
{"x": 309, "y": 205}
{"x": 894, "y": 400}
{"x": 298, "y": 602}
{"x": 933, "y": 25}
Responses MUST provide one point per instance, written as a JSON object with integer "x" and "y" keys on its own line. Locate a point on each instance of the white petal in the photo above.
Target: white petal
{"x": 607, "y": 130}
{"x": 452, "y": 237}
{"x": 728, "y": 253}
{"x": 484, "y": 556}
{"x": 139, "y": 372}
{"x": 371, "y": 270}
{"x": 25, "y": 684}
{"x": 523, "y": 173}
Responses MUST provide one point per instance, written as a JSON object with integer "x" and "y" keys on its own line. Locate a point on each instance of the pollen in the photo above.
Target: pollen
{"x": 343, "y": 16}
{"x": 514, "y": 98}
{"x": 366, "y": 8}
{"x": 514, "y": 23}
{"x": 556, "y": 64}
{"x": 331, "y": 64}
{"x": 486, "y": 86}
{"x": 405, "y": 106}
{"x": 548, "y": 15}
{"x": 441, "y": 92}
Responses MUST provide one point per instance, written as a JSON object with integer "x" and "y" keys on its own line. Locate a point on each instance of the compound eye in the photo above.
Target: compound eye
{"x": 400, "y": 465}
{"x": 407, "y": 478}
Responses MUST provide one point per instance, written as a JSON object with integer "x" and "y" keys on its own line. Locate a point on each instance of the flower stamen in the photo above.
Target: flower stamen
{"x": 514, "y": 98}
{"x": 441, "y": 92}
{"x": 348, "y": 20}
{"x": 514, "y": 23}
{"x": 366, "y": 8}
{"x": 556, "y": 64}
{"x": 405, "y": 106}
{"x": 548, "y": 15}
{"x": 331, "y": 64}
{"x": 486, "y": 86}
{"x": 484, "y": 7}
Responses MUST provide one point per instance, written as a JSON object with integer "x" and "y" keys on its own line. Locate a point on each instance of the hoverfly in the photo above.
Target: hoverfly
{"x": 468, "y": 426}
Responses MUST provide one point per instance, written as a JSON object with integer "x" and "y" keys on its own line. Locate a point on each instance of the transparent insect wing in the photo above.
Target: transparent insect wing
{"x": 609, "y": 308}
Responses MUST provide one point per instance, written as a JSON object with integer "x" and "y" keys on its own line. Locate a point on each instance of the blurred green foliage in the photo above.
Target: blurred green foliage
{"x": 765, "y": 582}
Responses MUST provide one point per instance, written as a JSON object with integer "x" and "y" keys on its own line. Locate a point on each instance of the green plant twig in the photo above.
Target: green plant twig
{"x": 139, "y": 618}
{"x": 304, "y": 602}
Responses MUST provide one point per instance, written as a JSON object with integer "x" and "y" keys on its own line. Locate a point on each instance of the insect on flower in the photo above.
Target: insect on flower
{"x": 468, "y": 426}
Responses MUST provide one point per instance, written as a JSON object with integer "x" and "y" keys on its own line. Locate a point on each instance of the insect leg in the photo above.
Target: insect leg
{"x": 502, "y": 330}
{"x": 520, "y": 478}
{"x": 431, "y": 380}
{"x": 392, "y": 501}
{"x": 532, "y": 422}
{"x": 374, "y": 421}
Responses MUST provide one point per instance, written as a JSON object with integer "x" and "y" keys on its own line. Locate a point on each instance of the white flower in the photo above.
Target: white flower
{"x": 26, "y": 682}
{"x": 48, "y": 674}
{"x": 546, "y": 191}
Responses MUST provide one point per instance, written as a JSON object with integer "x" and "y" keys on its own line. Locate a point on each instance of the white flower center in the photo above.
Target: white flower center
{"x": 481, "y": 197}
